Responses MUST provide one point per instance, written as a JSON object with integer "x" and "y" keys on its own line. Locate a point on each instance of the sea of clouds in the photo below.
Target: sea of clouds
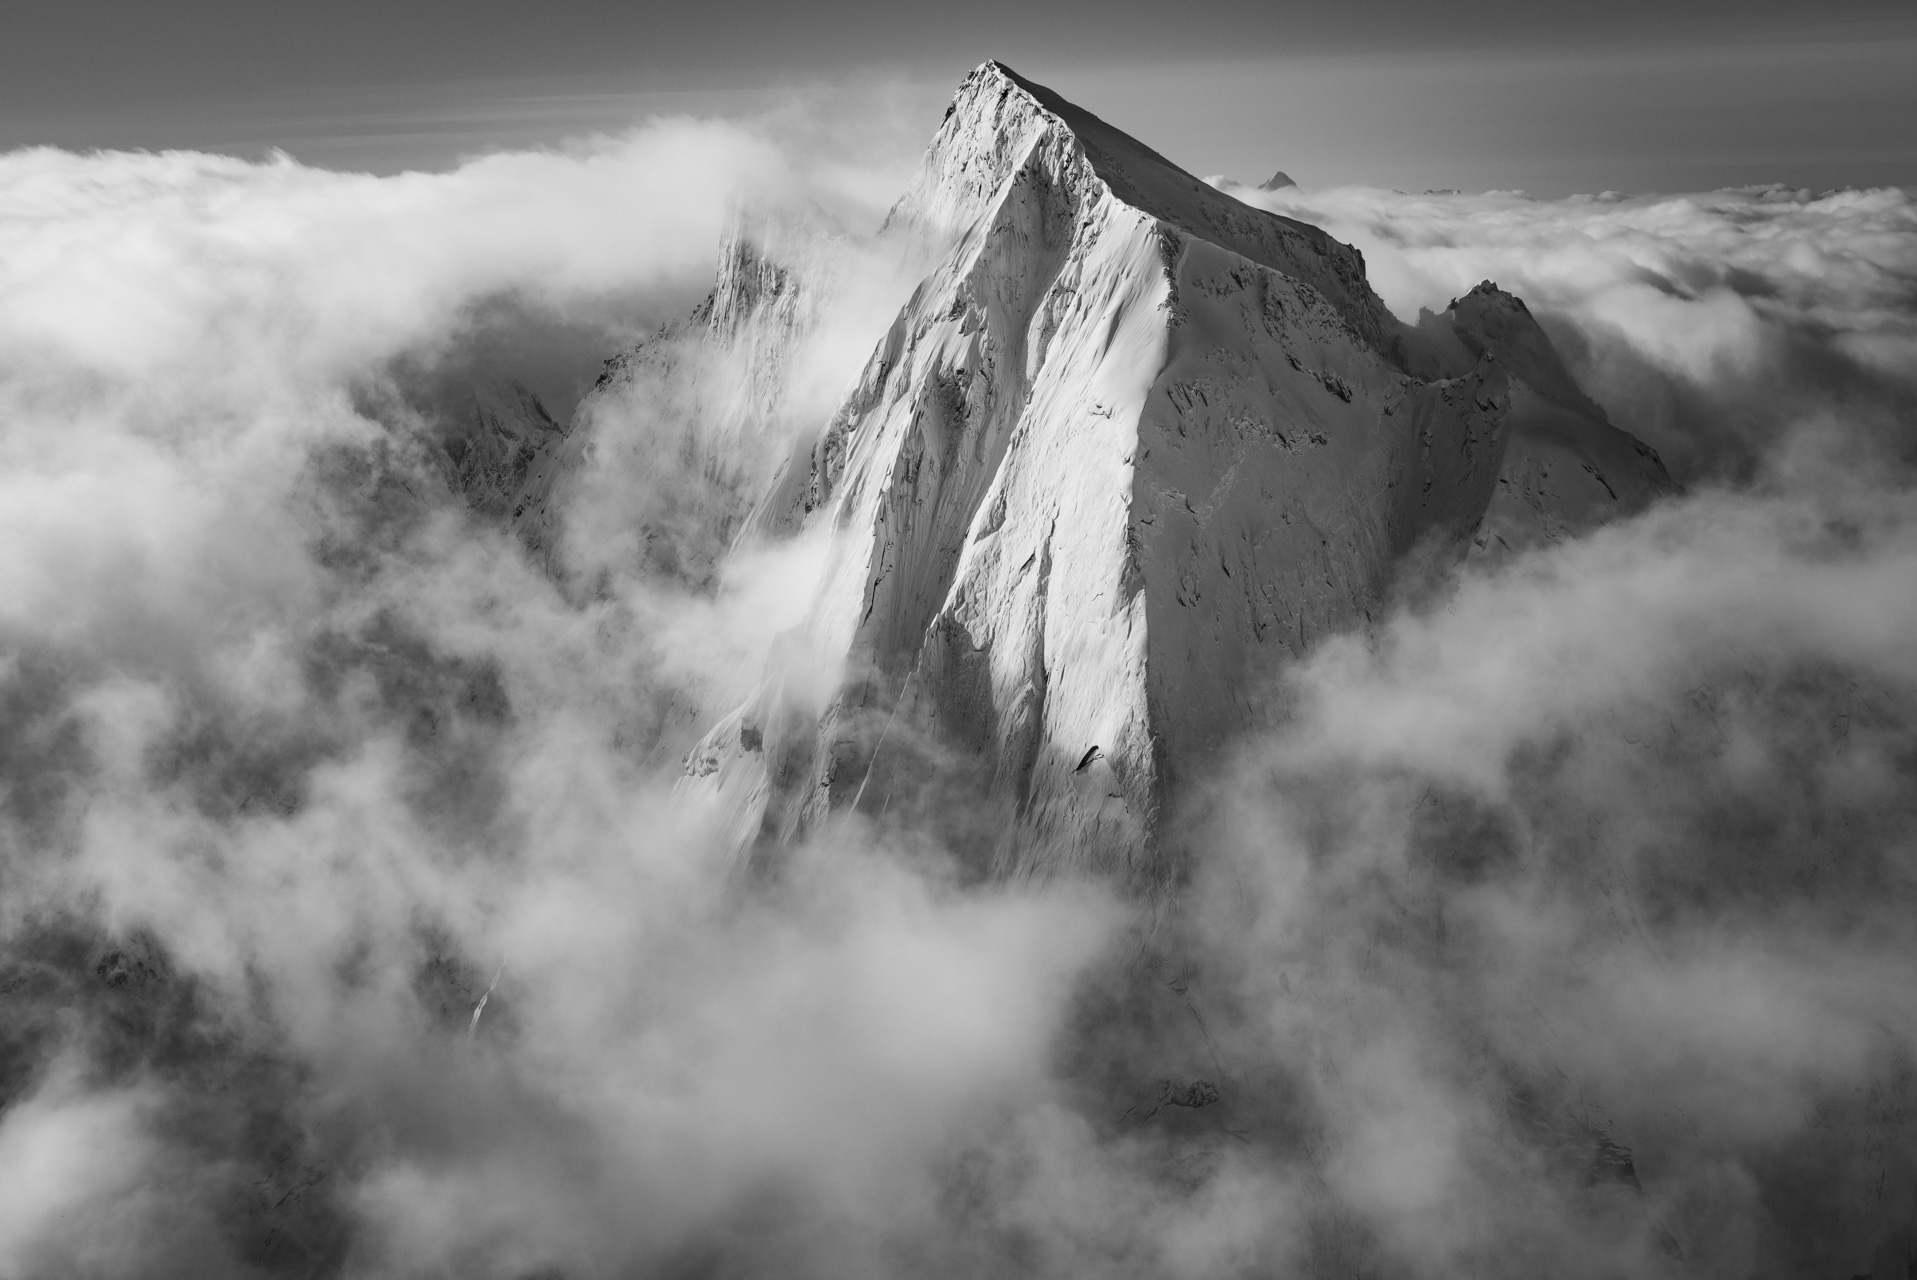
{"x": 349, "y": 924}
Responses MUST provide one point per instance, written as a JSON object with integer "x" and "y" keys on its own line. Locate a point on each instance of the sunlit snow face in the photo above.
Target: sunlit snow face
{"x": 298, "y": 767}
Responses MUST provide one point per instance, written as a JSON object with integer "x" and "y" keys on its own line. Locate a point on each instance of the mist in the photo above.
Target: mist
{"x": 1557, "y": 923}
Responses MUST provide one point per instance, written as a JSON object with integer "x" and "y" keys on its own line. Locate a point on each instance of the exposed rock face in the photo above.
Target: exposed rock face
{"x": 1131, "y": 446}
{"x": 503, "y": 454}
{"x": 1277, "y": 182}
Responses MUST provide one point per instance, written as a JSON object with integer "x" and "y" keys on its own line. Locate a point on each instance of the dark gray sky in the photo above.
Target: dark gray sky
{"x": 1633, "y": 94}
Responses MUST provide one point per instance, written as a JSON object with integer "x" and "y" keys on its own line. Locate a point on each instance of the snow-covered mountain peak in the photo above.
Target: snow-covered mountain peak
{"x": 1131, "y": 448}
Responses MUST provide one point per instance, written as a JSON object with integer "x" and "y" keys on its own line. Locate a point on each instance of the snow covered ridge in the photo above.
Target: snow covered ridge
{"x": 1131, "y": 447}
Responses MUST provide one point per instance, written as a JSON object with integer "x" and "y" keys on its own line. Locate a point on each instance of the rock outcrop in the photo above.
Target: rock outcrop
{"x": 503, "y": 453}
{"x": 1131, "y": 447}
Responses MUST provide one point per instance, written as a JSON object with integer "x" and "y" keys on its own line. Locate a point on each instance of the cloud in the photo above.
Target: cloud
{"x": 1568, "y": 902}
{"x": 301, "y": 761}
{"x": 130, "y": 262}
{"x": 1624, "y": 620}
{"x": 351, "y": 927}
{"x": 68, "y": 1155}
{"x": 1591, "y": 878}
{"x": 1712, "y": 324}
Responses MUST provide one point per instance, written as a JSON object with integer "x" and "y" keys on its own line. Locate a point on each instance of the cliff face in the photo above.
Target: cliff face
{"x": 1130, "y": 447}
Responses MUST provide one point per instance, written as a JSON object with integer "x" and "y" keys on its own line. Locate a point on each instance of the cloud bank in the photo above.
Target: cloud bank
{"x": 1723, "y": 327}
{"x": 349, "y": 924}
{"x": 350, "y": 927}
{"x": 1573, "y": 900}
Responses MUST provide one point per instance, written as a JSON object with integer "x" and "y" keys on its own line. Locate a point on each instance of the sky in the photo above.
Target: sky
{"x": 1487, "y": 94}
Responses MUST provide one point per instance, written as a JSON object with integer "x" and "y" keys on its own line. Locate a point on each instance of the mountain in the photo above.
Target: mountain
{"x": 714, "y": 386}
{"x": 1131, "y": 447}
{"x": 502, "y": 453}
{"x": 688, "y": 426}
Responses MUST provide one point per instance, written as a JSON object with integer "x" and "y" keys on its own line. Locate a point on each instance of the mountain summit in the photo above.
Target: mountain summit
{"x": 1131, "y": 447}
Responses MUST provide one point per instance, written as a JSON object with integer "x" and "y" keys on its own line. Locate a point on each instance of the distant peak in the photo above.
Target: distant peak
{"x": 1277, "y": 182}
